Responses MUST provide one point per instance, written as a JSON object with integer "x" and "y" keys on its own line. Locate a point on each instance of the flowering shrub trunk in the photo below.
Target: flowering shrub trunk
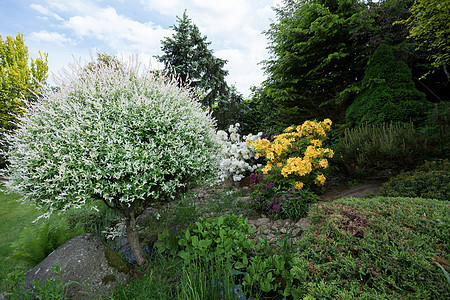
{"x": 116, "y": 133}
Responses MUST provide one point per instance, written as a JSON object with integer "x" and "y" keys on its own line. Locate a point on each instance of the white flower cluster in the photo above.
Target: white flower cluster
{"x": 237, "y": 157}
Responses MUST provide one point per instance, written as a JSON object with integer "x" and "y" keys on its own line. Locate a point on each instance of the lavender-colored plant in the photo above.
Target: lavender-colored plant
{"x": 112, "y": 132}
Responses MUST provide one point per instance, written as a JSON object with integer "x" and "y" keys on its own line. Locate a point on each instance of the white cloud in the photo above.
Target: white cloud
{"x": 50, "y": 37}
{"x": 119, "y": 32}
{"x": 46, "y": 11}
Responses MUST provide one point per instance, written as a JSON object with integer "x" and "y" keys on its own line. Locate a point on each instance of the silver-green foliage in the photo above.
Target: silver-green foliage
{"x": 114, "y": 132}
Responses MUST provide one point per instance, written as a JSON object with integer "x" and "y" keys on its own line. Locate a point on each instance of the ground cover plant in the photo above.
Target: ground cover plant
{"x": 382, "y": 248}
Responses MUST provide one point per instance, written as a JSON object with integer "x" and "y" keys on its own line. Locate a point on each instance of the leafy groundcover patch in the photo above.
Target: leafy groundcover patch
{"x": 380, "y": 248}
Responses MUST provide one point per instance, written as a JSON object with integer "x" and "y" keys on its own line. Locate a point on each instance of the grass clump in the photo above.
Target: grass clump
{"x": 380, "y": 248}
{"x": 368, "y": 149}
{"x": 15, "y": 216}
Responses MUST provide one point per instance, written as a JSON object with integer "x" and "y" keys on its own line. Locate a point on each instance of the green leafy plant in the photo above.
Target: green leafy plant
{"x": 430, "y": 180}
{"x": 223, "y": 238}
{"x": 368, "y": 149}
{"x": 292, "y": 204}
{"x": 36, "y": 243}
{"x": 278, "y": 201}
{"x": 94, "y": 221}
{"x": 271, "y": 273}
{"x": 381, "y": 248}
{"x": 52, "y": 288}
{"x": 208, "y": 280}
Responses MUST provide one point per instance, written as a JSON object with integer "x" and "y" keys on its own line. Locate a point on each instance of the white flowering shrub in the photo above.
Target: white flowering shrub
{"x": 237, "y": 158}
{"x": 117, "y": 133}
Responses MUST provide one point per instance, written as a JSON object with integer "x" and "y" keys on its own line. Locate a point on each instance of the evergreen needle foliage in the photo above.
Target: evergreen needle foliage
{"x": 390, "y": 95}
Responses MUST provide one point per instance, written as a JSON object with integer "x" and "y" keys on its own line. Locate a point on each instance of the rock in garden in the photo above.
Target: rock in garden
{"x": 296, "y": 231}
{"x": 85, "y": 260}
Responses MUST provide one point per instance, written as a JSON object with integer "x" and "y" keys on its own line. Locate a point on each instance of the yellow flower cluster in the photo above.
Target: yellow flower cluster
{"x": 320, "y": 179}
{"x": 297, "y": 151}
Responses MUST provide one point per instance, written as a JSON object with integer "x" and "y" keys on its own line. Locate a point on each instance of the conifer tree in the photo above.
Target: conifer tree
{"x": 186, "y": 52}
{"x": 390, "y": 94}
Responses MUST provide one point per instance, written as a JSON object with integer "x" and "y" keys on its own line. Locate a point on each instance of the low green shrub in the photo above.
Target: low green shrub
{"x": 379, "y": 248}
{"x": 431, "y": 180}
{"x": 437, "y": 129}
{"x": 36, "y": 243}
{"x": 277, "y": 201}
{"x": 369, "y": 149}
{"x": 209, "y": 239}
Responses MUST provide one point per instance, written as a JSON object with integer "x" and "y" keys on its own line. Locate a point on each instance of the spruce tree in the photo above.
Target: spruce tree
{"x": 186, "y": 52}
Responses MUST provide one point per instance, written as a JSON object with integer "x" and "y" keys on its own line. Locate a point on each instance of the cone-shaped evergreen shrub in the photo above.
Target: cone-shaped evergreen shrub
{"x": 390, "y": 94}
{"x": 116, "y": 133}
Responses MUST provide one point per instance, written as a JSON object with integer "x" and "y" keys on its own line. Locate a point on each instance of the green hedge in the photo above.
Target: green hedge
{"x": 431, "y": 180}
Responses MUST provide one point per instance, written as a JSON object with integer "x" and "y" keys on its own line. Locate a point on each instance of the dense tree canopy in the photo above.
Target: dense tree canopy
{"x": 313, "y": 59}
{"x": 186, "y": 52}
{"x": 21, "y": 78}
{"x": 429, "y": 23}
{"x": 319, "y": 52}
{"x": 126, "y": 138}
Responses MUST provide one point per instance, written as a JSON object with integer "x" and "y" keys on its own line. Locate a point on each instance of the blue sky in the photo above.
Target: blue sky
{"x": 69, "y": 30}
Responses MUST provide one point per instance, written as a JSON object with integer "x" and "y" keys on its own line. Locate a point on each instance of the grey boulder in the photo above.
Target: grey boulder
{"x": 85, "y": 260}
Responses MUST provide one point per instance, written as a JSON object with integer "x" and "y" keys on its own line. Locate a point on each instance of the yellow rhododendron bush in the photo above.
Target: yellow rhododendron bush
{"x": 297, "y": 154}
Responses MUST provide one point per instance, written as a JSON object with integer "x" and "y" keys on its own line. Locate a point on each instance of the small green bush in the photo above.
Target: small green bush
{"x": 380, "y": 248}
{"x": 36, "y": 243}
{"x": 277, "y": 201}
{"x": 208, "y": 239}
{"x": 91, "y": 220}
{"x": 431, "y": 180}
{"x": 368, "y": 149}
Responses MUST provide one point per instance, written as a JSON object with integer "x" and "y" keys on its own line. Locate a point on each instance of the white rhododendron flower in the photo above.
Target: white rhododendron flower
{"x": 237, "y": 158}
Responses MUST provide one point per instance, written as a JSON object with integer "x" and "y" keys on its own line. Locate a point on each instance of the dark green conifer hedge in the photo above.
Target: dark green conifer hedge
{"x": 390, "y": 94}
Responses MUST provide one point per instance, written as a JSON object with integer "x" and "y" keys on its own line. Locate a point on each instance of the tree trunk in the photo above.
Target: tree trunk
{"x": 133, "y": 241}
{"x": 444, "y": 68}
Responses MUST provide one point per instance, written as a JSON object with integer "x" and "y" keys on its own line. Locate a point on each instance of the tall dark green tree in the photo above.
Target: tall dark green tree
{"x": 186, "y": 52}
{"x": 313, "y": 59}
